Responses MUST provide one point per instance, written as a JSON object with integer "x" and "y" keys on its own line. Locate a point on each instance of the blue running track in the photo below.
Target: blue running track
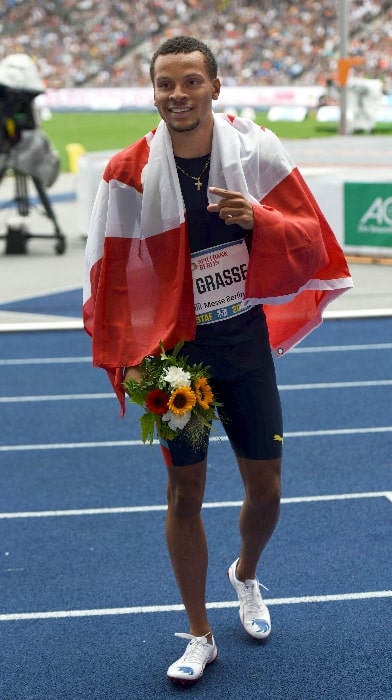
{"x": 88, "y": 604}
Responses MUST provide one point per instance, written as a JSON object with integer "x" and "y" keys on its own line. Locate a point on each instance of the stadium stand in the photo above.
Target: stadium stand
{"x": 81, "y": 42}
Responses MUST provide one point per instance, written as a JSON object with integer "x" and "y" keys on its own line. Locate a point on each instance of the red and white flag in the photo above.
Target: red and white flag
{"x": 138, "y": 288}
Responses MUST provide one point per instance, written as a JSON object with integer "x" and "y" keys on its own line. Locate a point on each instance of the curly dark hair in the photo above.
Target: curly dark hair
{"x": 186, "y": 44}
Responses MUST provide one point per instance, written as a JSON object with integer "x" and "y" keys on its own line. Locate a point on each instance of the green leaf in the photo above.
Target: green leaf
{"x": 147, "y": 422}
{"x": 163, "y": 353}
{"x": 177, "y": 348}
{"x": 135, "y": 392}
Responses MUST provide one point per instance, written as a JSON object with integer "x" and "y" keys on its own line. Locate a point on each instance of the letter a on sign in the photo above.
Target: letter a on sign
{"x": 368, "y": 215}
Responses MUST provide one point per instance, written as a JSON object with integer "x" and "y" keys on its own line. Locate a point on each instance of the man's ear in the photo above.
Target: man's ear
{"x": 216, "y": 91}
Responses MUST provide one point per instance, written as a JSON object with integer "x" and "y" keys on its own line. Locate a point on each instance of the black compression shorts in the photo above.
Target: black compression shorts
{"x": 243, "y": 381}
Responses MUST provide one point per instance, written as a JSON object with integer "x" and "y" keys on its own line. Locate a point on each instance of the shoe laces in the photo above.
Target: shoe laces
{"x": 196, "y": 649}
{"x": 252, "y": 596}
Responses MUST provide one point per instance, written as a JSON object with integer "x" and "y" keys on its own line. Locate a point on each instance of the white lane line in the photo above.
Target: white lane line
{"x": 295, "y": 351}
{"x": 209, "y": 505}
{"x": 214, "y": 438}
{"x": 140, "y": 610}
{"x": 44, "y": 361}
{"x": 56, "y": 397}
{"x": 82, "y": 512}
{"x": 110, "y": 395}
{"x": 74, "y": 445}
{"x": 75, "y": 324}
{"x": 335, "y": 385}
{"x": 356, "y": 313}
{"x": 342, "y": 348}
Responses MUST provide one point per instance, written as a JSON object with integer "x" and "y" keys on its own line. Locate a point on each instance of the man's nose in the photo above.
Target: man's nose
{"x": 177, "y": 93}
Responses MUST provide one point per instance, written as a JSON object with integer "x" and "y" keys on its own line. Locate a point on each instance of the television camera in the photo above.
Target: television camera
{"x": 25, "y": 151}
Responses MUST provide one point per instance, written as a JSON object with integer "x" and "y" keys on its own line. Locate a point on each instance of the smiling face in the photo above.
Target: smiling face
{"x": 183, "y": 94}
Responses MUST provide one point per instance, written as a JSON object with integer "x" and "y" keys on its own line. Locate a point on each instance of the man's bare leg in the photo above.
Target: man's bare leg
{"x": 186, "y": 542}
{"x": 259, "y": 512}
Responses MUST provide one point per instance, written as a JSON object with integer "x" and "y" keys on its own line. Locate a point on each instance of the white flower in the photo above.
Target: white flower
{"x": 176, "y": 377}
{"x": 176, "y": 422}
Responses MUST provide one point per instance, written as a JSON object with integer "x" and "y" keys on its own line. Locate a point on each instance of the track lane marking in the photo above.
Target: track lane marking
{"x": 144, "y": 609}
{"x": 206, "y": 506}
{"x": 110, "y": 395}
{"x": 294, "y": 351}
{"x": 214, "y": 438}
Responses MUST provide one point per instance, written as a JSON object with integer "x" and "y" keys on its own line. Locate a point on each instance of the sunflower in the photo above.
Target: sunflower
{"x": 182, "y": 400}
{"x": 204, "y": 395}
{"x": 156, "y": 401}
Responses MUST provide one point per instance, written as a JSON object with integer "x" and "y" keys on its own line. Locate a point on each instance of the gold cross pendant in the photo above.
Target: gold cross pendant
{"x": 198, "y": 184}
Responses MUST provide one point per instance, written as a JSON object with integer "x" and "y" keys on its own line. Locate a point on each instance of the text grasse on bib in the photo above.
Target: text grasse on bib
{"x": 219, "y": 275}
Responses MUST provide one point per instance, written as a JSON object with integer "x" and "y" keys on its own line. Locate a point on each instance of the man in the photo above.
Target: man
{"x": 204, "y": 231}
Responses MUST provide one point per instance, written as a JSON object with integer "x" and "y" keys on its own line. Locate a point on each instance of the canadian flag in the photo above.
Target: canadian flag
{"x": 138, "y": 288}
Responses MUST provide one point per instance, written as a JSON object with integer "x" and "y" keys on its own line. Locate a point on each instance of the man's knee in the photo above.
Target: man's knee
{"x": 185, "y": 490}
{"x": 264, "y": 500}
{"x": 262, "y": 483}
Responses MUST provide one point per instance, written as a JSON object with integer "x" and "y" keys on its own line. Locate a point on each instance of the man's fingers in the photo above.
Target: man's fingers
{"x": 225, "y": 194}
{"x": 232, "y": 207}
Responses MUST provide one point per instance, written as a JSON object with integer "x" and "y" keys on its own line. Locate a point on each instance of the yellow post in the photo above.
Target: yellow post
{"x": 74, "y": 151}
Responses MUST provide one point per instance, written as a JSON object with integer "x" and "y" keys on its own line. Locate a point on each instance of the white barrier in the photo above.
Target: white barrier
{"x": 287, "y": 114}
{"x": 331, "y": 113}
{"x": 89, "y": 174}
{"x": 358, "y": 209}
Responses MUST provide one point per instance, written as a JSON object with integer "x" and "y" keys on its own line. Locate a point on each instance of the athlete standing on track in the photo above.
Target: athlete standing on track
{"x": 199, "y": 185}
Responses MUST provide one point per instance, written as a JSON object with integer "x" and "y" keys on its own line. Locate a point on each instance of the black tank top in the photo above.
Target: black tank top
{"x": 205, "y": 230}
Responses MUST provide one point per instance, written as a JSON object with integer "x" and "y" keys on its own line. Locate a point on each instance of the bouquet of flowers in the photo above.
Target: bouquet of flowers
{"x": 175, "y": 397}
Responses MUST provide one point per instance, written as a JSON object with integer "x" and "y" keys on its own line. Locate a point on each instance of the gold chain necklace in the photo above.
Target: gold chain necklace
{"x": 198, "y": 182}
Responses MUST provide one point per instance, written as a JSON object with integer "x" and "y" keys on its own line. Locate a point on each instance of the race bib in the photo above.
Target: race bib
{"x": 219, "y": 275}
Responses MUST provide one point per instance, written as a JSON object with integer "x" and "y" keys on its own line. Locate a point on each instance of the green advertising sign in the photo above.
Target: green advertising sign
{"x": 368, "y": 214}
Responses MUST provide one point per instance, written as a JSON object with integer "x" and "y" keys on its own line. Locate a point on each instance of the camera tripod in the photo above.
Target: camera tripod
{"x": 17, "y": 233}
{"x": 25, "y": 150}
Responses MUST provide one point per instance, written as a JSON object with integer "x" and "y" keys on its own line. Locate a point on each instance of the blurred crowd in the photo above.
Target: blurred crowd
{"x": 110, "y": 43}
